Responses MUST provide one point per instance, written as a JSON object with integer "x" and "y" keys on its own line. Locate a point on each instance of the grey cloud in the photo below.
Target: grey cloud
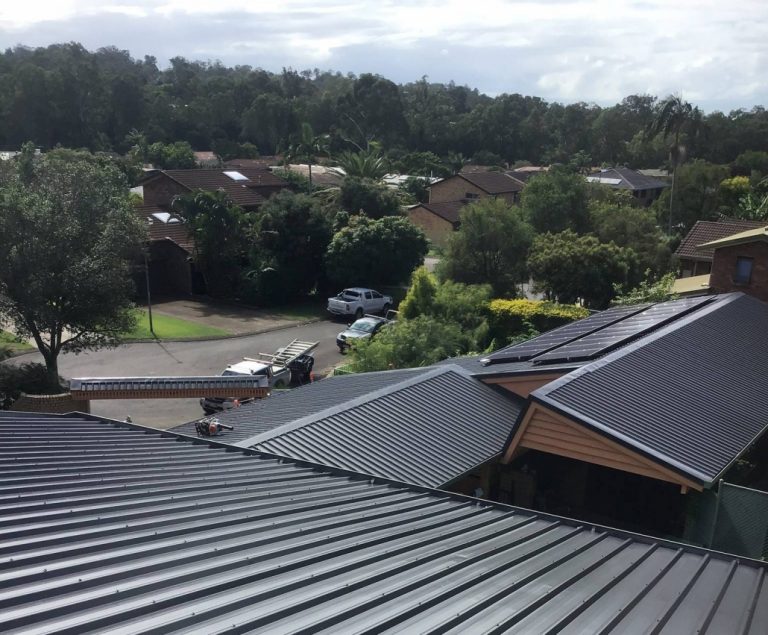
{"x": 599, "y": 65}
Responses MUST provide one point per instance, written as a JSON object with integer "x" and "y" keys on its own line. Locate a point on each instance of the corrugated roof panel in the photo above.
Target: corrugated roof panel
{"x": 429, "y": 430}
{"x": 163, "y": 534}
{"x": 283, "y": 407}
{"x": 694, "y": 395}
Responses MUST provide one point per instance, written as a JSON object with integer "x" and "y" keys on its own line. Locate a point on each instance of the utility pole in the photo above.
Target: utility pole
{"x": 149, "y": 298}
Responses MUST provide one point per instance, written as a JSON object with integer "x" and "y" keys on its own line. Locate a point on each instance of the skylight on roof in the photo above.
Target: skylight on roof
{"x": 235, "y": 176}
{"x": 163, "y": 217}
{"x": 604, "y": 180}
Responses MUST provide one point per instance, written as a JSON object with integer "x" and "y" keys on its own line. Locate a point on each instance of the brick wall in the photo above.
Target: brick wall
{"x": 161, "y": 190}
{"x": 436, "y": 228}
{"x": 724, "y": 268}
{"x": 454, "y": 188}
{"x": 56, "y": 404}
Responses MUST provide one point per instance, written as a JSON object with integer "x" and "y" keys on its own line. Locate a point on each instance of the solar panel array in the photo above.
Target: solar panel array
{"x": 622, "y": 332}
{"x": 564, "y": 334}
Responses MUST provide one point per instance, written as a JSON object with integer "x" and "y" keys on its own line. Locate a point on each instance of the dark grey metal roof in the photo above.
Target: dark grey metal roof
{"x": 106, "y": 527}
{"x": 693, "y": 396}
{"x": 286, "y": 406}
{"x": 475, "y": 367}
{"x": 629, "y": 179}
{"x": 109, "y": 384}
{"x": 429, "y": 429}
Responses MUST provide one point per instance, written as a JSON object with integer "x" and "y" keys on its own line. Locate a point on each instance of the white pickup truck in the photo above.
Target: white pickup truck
{"x": 358, "y": 301}
{"x": 290, "y": 364}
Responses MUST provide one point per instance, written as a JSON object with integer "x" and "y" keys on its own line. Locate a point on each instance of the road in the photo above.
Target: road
{"x": 184, "y": 358}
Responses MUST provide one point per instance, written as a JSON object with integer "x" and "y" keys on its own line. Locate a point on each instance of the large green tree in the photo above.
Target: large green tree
{"x": 616, "y": 217}
{"x": 290, "y": 241}
{"x": 556, "y": 201}
{"x": 490, "y": 247}
{"x": 370, "y": 252}
{"x": 569, "y": 267}
{"x": 68, "y": 234}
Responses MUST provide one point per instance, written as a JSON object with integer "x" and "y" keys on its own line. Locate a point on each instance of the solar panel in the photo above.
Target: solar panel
{"x": 611, "y": 337}
{"x": 562, "y": 335}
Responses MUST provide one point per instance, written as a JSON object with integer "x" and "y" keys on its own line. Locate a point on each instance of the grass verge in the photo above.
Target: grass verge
{"x": 8, "y": 340}
{"x": 167, "y": 327}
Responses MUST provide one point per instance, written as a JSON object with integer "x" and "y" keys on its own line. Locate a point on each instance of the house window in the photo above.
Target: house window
{"x": 471, "y": 195}
{"x": 743, "y": 272}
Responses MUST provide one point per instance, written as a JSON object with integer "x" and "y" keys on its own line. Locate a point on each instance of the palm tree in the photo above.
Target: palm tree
{"x": 306, "y": 146}
{"x": 673, "y": 119}
{"x": 369, "y": 164}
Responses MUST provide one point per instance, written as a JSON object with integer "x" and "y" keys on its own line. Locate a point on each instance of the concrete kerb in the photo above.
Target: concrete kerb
{"x": 207, "y": 338}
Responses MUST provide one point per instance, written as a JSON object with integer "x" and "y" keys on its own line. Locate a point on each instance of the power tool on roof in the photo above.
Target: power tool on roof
{"x": 210, "y": 427}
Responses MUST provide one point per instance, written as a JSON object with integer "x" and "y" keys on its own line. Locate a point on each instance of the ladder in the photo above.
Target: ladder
{"x": 284, "y": 356}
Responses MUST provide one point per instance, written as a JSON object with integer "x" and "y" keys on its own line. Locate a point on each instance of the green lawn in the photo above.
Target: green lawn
{"x": 305, "y": 311}
{"x": 167, "y": 327}
{"x": 9, "y": 340}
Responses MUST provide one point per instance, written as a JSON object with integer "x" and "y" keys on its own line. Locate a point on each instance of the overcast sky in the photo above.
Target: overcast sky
{"x": 715, "y": 53}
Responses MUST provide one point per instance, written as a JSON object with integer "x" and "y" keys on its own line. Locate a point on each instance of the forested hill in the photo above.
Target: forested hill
{"x": 64, "y": 94}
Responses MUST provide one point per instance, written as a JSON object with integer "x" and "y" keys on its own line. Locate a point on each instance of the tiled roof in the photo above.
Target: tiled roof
{"x": 706, "y": 231}
{"x": 627, "y": 179}
{"x": 427, "y": 426}
{"x": 242, "y": 192}
{"x": 493, "y": 182}
{"x": 112, "y": 528}
{"x": 449, "y": 210}
{"x": 176, "y": 230}
{"x": 692, "y": 396}
{"x": 748, "y": 236}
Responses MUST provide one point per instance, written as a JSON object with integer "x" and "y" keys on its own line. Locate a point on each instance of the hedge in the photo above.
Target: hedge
{"x": 512, "y": 317}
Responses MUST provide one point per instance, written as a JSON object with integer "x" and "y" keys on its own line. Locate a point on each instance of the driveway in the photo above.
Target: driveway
{"x": 184, "y": 358}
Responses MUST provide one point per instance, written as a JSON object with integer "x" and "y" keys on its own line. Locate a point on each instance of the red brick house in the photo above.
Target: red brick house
{"x": 696, "y": 259}
{"x": 247, "y": 187}
{"x": 741, "y": 263}
{"x": 476, "y": 185}
{"x": 438, "y": 220}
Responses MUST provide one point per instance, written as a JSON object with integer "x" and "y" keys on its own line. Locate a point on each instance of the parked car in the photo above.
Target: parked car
{"x": 289, "y": 365}
{"x": 357, "y": 301}
{"x": 362, "y": 329}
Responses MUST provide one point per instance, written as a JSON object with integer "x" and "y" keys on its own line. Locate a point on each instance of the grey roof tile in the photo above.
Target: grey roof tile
{"x": 107, "y": 527}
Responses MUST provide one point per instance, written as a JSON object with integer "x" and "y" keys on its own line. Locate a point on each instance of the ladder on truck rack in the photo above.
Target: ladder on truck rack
{"x": 287, "y": 354}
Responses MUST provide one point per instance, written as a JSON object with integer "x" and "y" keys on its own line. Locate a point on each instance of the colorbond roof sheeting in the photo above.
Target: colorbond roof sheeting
{"x": 428, "y": 430}
{"x": 476, "y": 367}
{"x": 693, "y": 395}
{"x": 107, "y": 527}
{"x": 284, "y": 407}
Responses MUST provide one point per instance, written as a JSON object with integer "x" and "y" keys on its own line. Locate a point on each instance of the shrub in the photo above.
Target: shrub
{"x": 511, "y": 317}
{"x": 30, "y": 378}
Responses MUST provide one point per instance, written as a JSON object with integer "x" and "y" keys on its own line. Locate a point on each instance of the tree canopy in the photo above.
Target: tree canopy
{"x": 375, "y": 251}
{"x": 490, "y": 247}
{"x": 65, "y": 94}
{"x": 68, "y": 234}
{"x": 569, "y": 267}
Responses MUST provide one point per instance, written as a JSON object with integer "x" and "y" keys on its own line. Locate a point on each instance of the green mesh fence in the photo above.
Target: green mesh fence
{"x": 741, "y": 521}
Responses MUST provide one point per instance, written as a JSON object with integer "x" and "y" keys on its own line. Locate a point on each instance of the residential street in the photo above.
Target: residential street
{"x": 185, "y": 358}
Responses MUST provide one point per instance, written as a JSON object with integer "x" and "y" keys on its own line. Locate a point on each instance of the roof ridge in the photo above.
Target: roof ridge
{"x": 306, "y": 420}
{"x": 542, "y": 395}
